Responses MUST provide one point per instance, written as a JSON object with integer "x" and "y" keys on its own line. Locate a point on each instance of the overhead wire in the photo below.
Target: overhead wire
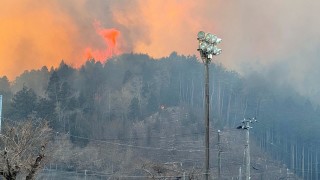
{"x": 136, "y": 146}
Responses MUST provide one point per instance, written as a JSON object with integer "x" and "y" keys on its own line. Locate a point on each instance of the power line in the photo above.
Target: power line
{"x": 102, "y": 174}
{"x": 135, "y": 146}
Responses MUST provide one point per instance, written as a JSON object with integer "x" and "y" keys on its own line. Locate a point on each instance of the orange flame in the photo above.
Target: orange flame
{"x": 110, "y": 37}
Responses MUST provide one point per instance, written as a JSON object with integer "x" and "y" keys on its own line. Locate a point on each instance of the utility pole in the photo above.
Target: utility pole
{"x": 302, "y": 162}
{"x": 207, "y": 48}
{"x": 219, "y": 156}
{"x": 247, "y": 151}
{"x": 240, "y": 173}
{"x": 246, "y": 126}
{"x": 316, "y": 168}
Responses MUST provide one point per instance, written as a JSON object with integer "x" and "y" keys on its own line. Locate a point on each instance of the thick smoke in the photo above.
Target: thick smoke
{"x": 272, "y": 37}
{"x": 37, "y": 33}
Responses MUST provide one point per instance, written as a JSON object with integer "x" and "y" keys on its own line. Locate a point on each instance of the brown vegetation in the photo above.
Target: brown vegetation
{"x": 23, "y": 149}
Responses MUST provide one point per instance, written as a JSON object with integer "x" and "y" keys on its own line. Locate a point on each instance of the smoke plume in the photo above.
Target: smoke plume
{"x": 263, "y": 36}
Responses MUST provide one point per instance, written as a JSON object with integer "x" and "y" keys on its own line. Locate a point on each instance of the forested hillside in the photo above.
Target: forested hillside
{"x": 127, "y": 99}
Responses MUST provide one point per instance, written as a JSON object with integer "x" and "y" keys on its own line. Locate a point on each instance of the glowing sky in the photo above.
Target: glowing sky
{"x": 256, "y": 34}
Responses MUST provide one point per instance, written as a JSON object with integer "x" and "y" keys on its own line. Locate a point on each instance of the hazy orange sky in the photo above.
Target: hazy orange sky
{"x": 256, "y": 34}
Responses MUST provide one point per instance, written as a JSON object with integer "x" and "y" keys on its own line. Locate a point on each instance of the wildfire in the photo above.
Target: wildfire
{"x": 110, "y": 37}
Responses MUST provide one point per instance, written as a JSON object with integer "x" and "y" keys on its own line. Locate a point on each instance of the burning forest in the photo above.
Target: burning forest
{"x": 110, "y": 38}
{"x": 135, "y": 89}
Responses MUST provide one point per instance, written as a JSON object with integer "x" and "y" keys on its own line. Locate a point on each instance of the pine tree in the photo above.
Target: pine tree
{"x": 24, "y": 103}
{"x": 134, "y": 110}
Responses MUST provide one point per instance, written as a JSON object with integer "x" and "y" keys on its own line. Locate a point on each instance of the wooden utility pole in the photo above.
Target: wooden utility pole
{"x": 308, "y": 164}
{"x": 302, "y": 162}
{"x": 316, "y": 168}
{"x": 247, "y": 151}
{"x": 219, "y": 156}
{"x": 292, "y": 156}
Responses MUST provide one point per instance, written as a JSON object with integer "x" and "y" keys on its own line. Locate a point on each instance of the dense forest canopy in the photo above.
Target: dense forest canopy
{"x": 106, "y": 100}
{"x": 133, "y": 86}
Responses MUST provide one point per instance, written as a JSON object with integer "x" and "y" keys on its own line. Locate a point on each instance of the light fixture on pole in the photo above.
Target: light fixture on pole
{"x": 207, "y": 48}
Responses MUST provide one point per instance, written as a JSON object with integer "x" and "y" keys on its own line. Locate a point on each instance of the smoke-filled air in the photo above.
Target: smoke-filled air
{"x": 118, "y": 89}
{"x": 257, "y": 34}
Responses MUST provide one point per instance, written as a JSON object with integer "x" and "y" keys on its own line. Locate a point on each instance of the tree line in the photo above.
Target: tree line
{"x": 104, "y": 100}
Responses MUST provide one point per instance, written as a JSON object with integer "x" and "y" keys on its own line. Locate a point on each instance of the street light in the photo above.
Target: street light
{"x": 207, "y": 48}
{"x": 201, "y": 35}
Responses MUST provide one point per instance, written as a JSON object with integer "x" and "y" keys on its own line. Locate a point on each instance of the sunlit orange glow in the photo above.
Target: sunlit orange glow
{"x": 109, "y": 37}
{"x": 168, "y": 25}
{"x": 34, "y": 33}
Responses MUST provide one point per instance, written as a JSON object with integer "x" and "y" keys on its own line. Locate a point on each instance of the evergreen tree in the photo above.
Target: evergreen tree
{"x": 134, "y": 110}
{"x": 53, "y": 87}
{"x": 153, "y": 104}
{"x": 45, "y": 109}
{"x": 24, "y": 103}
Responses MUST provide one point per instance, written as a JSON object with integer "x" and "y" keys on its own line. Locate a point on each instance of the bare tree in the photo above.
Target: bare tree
{"x": 22, "y": 148}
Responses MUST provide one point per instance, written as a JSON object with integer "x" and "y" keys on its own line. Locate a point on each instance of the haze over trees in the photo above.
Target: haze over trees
{"x": 134, "y": 99}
